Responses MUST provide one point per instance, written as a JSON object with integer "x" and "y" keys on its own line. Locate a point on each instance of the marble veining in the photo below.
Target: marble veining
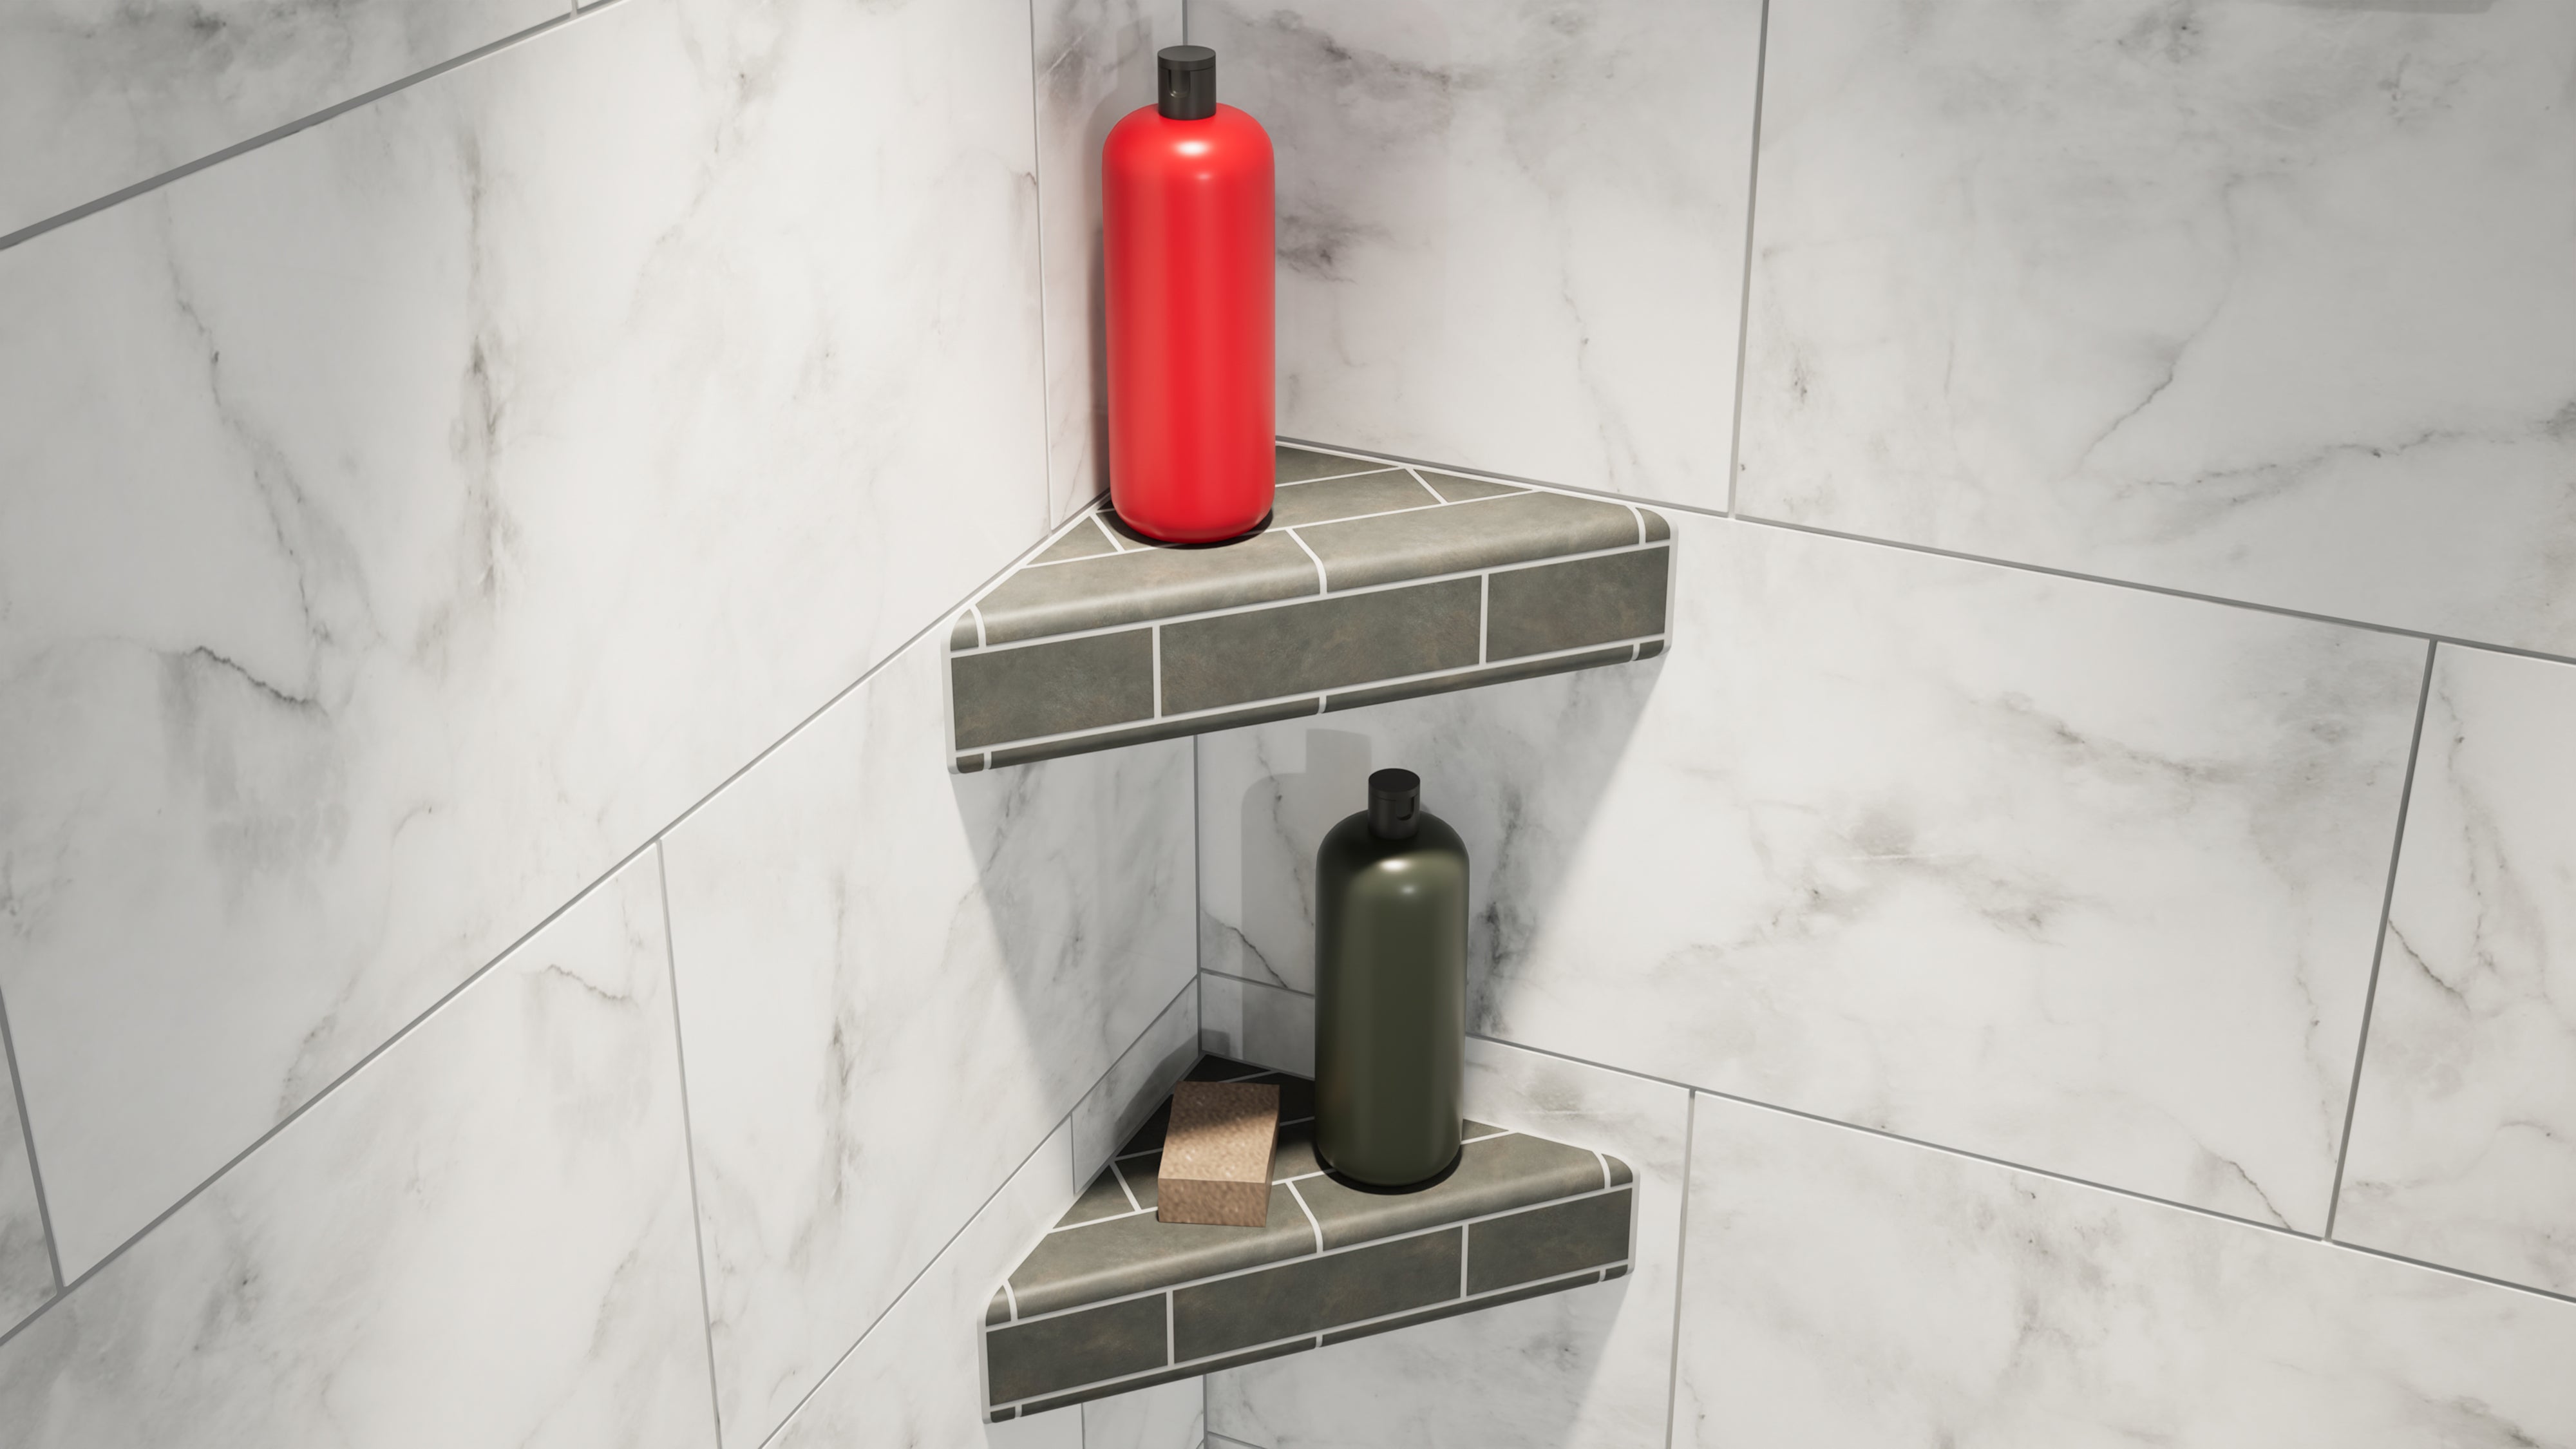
{"x": 26, "y": 1265}
{"x": 95, "y": 97}
{"x": 2464, "y": 1135}
{"x": 1846, "y": 1289}
{"x": 405, "y": 520}
{"x": 1169, "y": 1416}
{"x": 2064, "y": 873}
{"x": 481, "y": 1238}
{"x": 2274, "y": 302}
{"x": 1095, "y": 63}
{"x": 1567, "y": 1371}
{"x": 1511, "y": 237}
{"x": 891, "y": 981}
{"x": 916, "y": 1378}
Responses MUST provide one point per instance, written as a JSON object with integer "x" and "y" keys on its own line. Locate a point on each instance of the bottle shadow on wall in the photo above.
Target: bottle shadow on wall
{"x": 1519, "y": 770}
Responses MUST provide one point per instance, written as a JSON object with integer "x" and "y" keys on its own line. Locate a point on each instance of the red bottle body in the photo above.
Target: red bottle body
{"x": 1187, "y": 242}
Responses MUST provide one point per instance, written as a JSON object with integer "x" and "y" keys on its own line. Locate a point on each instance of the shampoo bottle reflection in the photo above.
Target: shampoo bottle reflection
{"x": 1390, "y": 990}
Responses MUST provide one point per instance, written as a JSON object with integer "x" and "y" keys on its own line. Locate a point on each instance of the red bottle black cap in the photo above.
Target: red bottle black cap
{"x": 1187, "y": 77}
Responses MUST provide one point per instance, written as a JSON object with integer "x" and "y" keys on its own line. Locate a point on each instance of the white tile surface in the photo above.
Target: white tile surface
{"x": 2073, "y": 875}
{"x": 1844, "y": 1290}
{"x": 892, "y": 981}
{"x": 2273, "y": 302}
{"x": 481, "y": 1238}
{"x": 96, "y": 97}
{"x": 1264, "y": 1025}
{"x": 1510, "y": 237}
{"x": 405, "y": 520}
{"x": 2464, "y": 1135}
{"x": 1167, "y": 1416}
{"x": 1136, "y": 1084}
{"x": 917, "y": 1378}
{"x": 1095, "y": 63}
{"x": 1591, "y": 1367}
{"x": 26, "y": 1267}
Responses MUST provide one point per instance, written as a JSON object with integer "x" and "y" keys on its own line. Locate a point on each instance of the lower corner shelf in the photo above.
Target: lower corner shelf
{"x": 1113, "y": 1299}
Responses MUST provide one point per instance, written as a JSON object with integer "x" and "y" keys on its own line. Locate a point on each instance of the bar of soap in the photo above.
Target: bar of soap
{"x": 1216, "y": 1154}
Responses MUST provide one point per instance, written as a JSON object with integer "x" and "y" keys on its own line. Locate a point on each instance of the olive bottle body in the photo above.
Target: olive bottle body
{"x": 1390, "y": 1001}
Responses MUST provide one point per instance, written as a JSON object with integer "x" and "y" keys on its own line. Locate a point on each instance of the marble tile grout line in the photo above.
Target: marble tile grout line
{"x": 944, "y": 620}
{"x": 2379, "y": 943}
{"x": 274, "y": 134}
{"x": 1744, "y": 297}
{"x": 35, "y": 1169}
{"x": 689, "y": 1144}
{"x": 1990, "y": 560}
{"x": 1681, "y": 1256}
{"x": 1062, "y": 1124}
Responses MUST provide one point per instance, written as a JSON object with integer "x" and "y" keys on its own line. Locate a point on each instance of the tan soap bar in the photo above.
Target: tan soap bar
{"x": 1216, "y": 1154}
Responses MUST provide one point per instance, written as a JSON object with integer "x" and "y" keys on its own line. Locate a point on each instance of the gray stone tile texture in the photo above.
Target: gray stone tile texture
{"x": 1076, "y": 1349}
{"x": 1102, "y": 1199}
{"x": 1464, "y": 1305}
{"x": 1077, "y": 684}
{"x": 1149, "y": 583}
{"x": 1549, "y": 1242}
{"x": 1493, "y": 1176}
{"x": 1303, "y": 648}
{"x": 1355, "y": 497}
{"x": 1569, "y": 605}
{"x": 1134, "y": 1254}
{"x": 1459, "y": 490}
{"x": 1196, "y": 1370}
{"x": 1083, "y": 540}
{"x": 1295, "y": 465}
{"x": 1316, "y": 1294}
{"x": 1517, "y": 529}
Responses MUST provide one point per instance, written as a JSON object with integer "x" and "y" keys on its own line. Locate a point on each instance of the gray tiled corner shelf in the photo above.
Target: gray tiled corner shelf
{"x": 1112, "y": 1299}
{"x": 1370, "y": 581}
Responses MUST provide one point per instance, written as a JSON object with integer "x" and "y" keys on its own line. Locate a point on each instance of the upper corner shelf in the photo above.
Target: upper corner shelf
{"x": 1113, "y": 1299}
{"x": 1372, "y": 580}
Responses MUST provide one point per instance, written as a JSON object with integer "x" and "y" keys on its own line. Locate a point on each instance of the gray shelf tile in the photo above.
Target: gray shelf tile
{"x": 1549, "y": 1242}
{"x": 1046, "y": 689}
{"x": 1493, "y": 1176}
{"x": 1135, "y": 1254}
{"x": 1313, "y": 1295}
{"x": 1083, "y": 540}
{"x": 1452, "y": 1310}
{"x": 1568, "y": 605}
{"x": 1399, "y": 546}
{"x": 1327, "y": 644}
{"x": 1459, "y": 490}
{"x": 1354, "y": 497}
{"x": 1023, "y": 1359}
{"x": 1196, "y": 1370}
{"x": 1156, "y": 582}
{"x": 1296, "y": 465}
{"x": 961, "y": 635}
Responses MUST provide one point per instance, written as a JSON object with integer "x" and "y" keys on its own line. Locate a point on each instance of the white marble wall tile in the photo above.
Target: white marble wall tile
{"x": 917, "y": 1378}
{"x": 1509, "y": 237}
{"x": 1591, "y": 1367}
{"x": 1167, "y": 1416}
{"x": 26, "y": 1264}
{"x": 1095, "y": 63}
{"x": 483, "y": 1237}
{"x": 892, "y": 980}
{"x": 2128, "y": 287}
{"x": 405, "y": 520}
{"x": 1267, "y": 1026}
{"x": 96, "y": 97}
{"x": 2074, "y": 875}
{"x": 1136, "y": 1083}
{"x": 1844, "y": 1289}
{"x": 2464, "y": 1134}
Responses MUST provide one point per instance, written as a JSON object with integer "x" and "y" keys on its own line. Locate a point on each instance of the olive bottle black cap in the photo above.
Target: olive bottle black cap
{"x": 1395, "y": 804}
{"x": 1187, "y": 77}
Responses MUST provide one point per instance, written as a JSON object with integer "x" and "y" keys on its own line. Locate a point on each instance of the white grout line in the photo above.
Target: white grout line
{"x": 1488, "y": 1137}
{"x": 1463, "y": 1240}
{"x": 1605, "y": 1167}
{"x": 1416, "y": 475}
{"x": 1011, "y": 1298}
{"x": 1116, "y": 544}
{"x": 1314, "y": 1338}
{"x": 1309, "y": 1212}
{"x": 1641, "y": 522}
{"x": 1132, "y": 1202}
{"x": 1169, "y": 1344}
{"x": 978, "y": 616}
{"x": 1484, "y": 616}
{"x": 1322, "y": 584}
{"x": 1157, "y": 643}
{"x": 1349, "y": 591}
{"x": 1345, "y": 1249}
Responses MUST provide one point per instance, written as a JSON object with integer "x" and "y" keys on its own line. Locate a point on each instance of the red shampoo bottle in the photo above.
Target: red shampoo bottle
{"x": 1187, "y": 245}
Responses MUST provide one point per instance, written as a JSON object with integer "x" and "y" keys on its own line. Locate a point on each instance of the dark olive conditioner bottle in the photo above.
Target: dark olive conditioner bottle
{"x": 1390, "y": 989}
